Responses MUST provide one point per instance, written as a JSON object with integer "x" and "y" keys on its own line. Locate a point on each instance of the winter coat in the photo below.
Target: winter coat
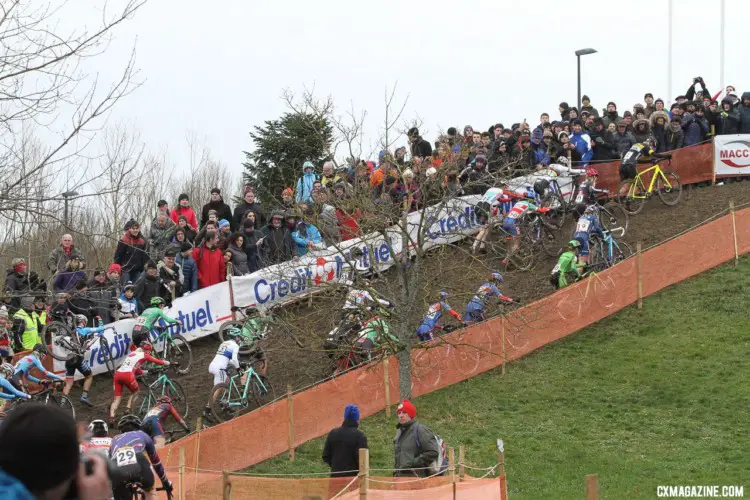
{"x": 541, "y": 156}
{"x": 591, "y": 109}
{"x": 608, "y": 118}
{"x": 210, "y": 265}
{"x": 421, "y": 148}
{"x": 239, "y": 260}
{"x": 68, "y": 281}
{"x": 729, "y": 121}
{"x": 744, "y": 114}
{"x": 58, "y": 258}
{"x": 189, "y": 214}
{"x": 694, "y": 127}
{"x": 675, "y": 137}
{"x": 147, "y": 287}
{"x": 131, "y": 252}
{"x": 341, "y": 449}
{"x": 160, "y": 238}
{"x": 623, "y": 142}
{"x": 327, "y": 222}
{"x": 348, "y": 225}
{"x": 252, "y": 251}
{"x": 582, "y": 143}
{"x": 189, "y": 272}
{"x": 168, "y": 275}
{"x": 641, "y": 130}
{"x": 278, "y": 245}
{"x": 604, "y": 145}
{"x": 475, "y": 181}
{"x": 222, "y": 211}
{"x": 408, "y": 455}
{"x": 240, "y": 212}
{"x": 303, "y": 191}
{"x": 103, "y": 299}
{"x": 303, "y": 235}
{"x": 16, "y": 284}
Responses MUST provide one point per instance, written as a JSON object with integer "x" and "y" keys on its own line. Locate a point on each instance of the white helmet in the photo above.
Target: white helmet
{"x": 562, "y": 160}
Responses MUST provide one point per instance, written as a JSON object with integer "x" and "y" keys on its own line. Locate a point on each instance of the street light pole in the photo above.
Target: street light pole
{"x": 721, "y": 50}
{"x": 579, "y": 53}
{"x": 66, "y": 195}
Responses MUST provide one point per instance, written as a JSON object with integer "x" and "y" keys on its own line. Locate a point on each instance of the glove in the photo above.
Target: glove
{"x": 167, "y": 485}
{"x": 45, "y": 382}
{"x": 167, "y": 363}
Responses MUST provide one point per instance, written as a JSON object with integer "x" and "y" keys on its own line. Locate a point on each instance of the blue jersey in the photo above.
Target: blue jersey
{"x": 29, "y": 362}
{"x": 484, "y": 293}
{"x": 435, "y": 312}
{"x": 86, "y": 331}
{"x": 10, "y": 392}
{"x": 126, "y": 446}
{"x": 587, "y": 224}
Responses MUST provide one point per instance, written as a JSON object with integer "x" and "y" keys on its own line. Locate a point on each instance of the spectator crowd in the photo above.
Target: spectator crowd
{"x": 182, "y": 250}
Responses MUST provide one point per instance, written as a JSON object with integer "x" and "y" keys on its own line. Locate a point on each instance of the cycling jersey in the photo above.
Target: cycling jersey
{"x": 434, "y": 313}
{"x": 586, "y": 225}
{"x": 374, "y": 331}
{"x": 150, "y": 316}
{"x": 512, "y": 218}
{"x": 499, "y": 200}
{"x": 253, "y": 328}
{"x": 588, "y": 193}
{"x": 129, "y": 369}
{"x": 487, "y": 291}
{"x": 227, "y": 353}
{"x": 96, "y": 444}
{"x": 10, "y": 392}
{"x": 356, "y": 299}
{"x": 29, "y": 362}
{"x": 127, "y": 459}
{"x": 157, "y": 416}
{"x": 635, "y": 153}
{"x": 567, "y": 263}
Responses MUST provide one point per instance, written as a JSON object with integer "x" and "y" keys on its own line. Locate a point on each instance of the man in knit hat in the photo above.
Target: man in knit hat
{"x": 415, "y": 446}
{"x": 341, "y": 450}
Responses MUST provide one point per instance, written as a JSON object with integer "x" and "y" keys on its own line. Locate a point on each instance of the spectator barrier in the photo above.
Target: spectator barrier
{"x": 275, "y": 428}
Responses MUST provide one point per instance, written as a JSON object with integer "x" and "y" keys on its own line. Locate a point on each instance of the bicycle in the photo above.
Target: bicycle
{"x": 536, "y": 234}
{"x": 667, "y": 184}
{"x": 229, "y": 399}
{"x": 50, "y": 396}
{"x": 72, "y": 345}
{"x": 253, "y": 329}
{"x": 607, "y": 251}
{"x": 162, "y": 385}
{"x": 136, "y": 491}
{"x": 172, "y": 348}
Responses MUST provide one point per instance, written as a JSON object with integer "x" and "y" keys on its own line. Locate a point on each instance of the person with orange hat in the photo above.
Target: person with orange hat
{"x": 415, "y": 446}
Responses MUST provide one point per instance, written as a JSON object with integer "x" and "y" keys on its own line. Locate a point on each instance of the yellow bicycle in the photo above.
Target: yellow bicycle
{"x": 666, "y": 183}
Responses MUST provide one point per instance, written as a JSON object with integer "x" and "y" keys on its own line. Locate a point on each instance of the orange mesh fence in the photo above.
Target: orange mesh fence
{"x": 266, "y": 432}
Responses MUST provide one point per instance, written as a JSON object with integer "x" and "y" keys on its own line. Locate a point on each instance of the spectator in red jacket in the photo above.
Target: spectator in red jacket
{"x": 183, "y": 208}
{"x": 209, "y": 259}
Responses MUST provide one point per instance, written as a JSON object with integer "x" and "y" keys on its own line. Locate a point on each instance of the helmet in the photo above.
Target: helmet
{"x": 40, "y": 349}
{"x": 592, "y": 172}
{"x": 650, "y": 140}
{"x": 530, "y": 193}
{"x": 574, "y": 243}
{"x": 146, "y": 346}
{"x": 7, "y": 370}
{"x": 157, "y": 301}
{"x": 98, "y": 428}
{"x": 540, "y": 186}
{"x": 591, "y": 210}
{"x": 129, "y": 421}
{"x": 81, "y": 318}
{"x": 562, "y": 160}
{"x": 443, "y": 295}
{"x": 497, "y": 277}
{"x": 234, "y": 332}
{"x": 164, "y": 399}
{"x": 251, "y": 310}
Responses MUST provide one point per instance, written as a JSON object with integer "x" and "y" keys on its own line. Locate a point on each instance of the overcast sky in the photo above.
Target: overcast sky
{"x": 218, "y": 68}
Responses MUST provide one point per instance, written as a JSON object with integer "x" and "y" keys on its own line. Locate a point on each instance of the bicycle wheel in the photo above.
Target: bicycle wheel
{"x": 614, "y": 218}
{"x": 62, "y": 401}
{"x": 221, "y": 396}
{"x": 597, "y": 254}
{"x": 556, "y": 216}
{"x": 669, "y": 188}
{"x": 635, "y": 200}
{"x": 620, "y": 252}
{"x": 178, "y": 352}
{"x": 262, "y": 390}
{"x": 143, "y": 400}
{"x": 226, "y": 326}
{"x": 53, "y": 334}
{"x": 173, "y": 389}
{"x": 551, "y": 241}
{"x": 107, "y": 361}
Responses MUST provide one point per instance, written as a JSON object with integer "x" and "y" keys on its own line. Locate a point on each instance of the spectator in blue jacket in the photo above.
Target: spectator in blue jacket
{"x": 541, "y": 157}
{"x": 582, "y": 142}
{"x": 307, "y": 237}
{"x": 189, "y": 269}
{"x": 695, "y": 127}
{"x": 303, "y": 193}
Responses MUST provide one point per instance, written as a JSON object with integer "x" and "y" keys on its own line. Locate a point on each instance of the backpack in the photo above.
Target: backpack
{"x": 439, "y": 466}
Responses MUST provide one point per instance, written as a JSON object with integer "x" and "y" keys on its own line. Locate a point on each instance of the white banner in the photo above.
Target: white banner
{"x": 732, "y": 154}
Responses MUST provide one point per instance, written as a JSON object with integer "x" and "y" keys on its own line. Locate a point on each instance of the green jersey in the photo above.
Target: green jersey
{"x": 150, "y": 316}
{"x": 376, "y": 331}
{"x": 567, "y": 263}
{"x": 254, "y": 328}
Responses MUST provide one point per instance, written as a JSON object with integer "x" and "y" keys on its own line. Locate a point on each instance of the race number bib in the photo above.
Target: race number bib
{"x": 579, "y": 198}
{"x": 583, "y": 226}
{"x": 140, "y": 322}
{"x": 628, "y": 155}
{"x": 556, "y": 268}
{"x": 125, "y": 456}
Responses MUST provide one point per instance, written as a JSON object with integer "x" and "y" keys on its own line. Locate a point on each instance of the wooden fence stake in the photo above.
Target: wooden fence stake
{"x": 364, "y": 472}
{"x": 734, "y": 233}
{"x": 181, "y": 478}
{"x": 592, "y": 487}
{"x": 639, "y": 264}
{"x": 227, "y": 486}
{"x": 231, "y": 291}
{"x": 461, "y": 459}
{"x": 198, "y": 429}
{"x": 452, "y": 468}
{"x": 290, "y": 407}
{"x": 502, "y": 341}
{"x": 501, "y": 470}
{"x": 713, "y": 160}
{"x": 387, "y": 386}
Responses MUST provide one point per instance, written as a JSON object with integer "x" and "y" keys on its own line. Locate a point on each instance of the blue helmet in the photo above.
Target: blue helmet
{"x": 497, "y": 277}
{"x": 443, "y": 295}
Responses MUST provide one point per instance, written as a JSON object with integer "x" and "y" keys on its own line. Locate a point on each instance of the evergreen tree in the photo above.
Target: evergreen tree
{"x": 281, "y": 147}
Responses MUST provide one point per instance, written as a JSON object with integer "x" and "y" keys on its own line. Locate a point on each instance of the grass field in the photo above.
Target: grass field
{"x": 659, "y": 396}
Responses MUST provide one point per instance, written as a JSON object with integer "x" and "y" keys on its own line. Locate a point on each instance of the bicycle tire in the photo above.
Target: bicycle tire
{"x": 143, "y": 400}
{"x": 669, "y": 196}
{"x": 555, "y": 218}
{"x": 52, "y": 331}
{"x": 226, "y": 326}
{"x": 551, "y": 241}
{"x": 261, "y": 397}
{"x": 219, "y": 403}
{"x": 178, "y": 351}
{"x": 620, "y": 252}
{"x": 179, "y": 399}
{"x": 633, "y": 206}
{"x": 61, "y": 401}
{"x": 614, "y": 218}
{"x": 108, "y": 362}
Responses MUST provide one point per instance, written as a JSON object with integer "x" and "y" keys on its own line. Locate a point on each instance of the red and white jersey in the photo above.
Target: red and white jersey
{"x": 134, "y": 361}
{"x": 96, "y": 443}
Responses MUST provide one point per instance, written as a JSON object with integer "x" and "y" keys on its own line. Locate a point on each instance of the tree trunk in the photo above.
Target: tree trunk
{"x": 404, "y": 373}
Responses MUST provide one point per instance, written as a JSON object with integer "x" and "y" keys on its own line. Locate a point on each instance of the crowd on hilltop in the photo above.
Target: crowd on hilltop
{"x": 182, "y": 249}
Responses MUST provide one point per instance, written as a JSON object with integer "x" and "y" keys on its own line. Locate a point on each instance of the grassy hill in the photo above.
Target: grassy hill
{"x": 654, "y": 397}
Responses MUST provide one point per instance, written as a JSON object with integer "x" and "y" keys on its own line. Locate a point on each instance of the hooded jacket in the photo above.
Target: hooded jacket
{"x": 729, "y": 121}
{"x": 278, "y": 245}
{"x": 160, "y": 238}
{"x": 590, "y": 109}
{"x": 341, "y": 449}
{"x": 222, "y": 210}
{"x": 148, "y": 287}
{"x": 611, "y": 118}
{"x": 168, "y": 275}
{"x": 695, "y": 128}
{"x": 189, "y": 272}
{"x": 604, "y": 145}
{"x": 240, "y": 213}
{"x": 641, "y": 130}
{"x": 659, "y": 132}
{"x": 16, "y": 283}
{"x": 131, "y": 252}
{"x": 675, "y": 136}
{"x": 744, "y": 114}
{"x": 410, "y": 456}
{"x": 623, "y": 142}
{"x": 303, "y": 235}
{"x": 251, "y": 248}
{"x": 239, "y": 260}
{"x": 210, "y": 265}
{"x": 68, "y": 281}
{"x": 303, "y": 192}
{"x": 582, "y": 142}
{"x": 189, "y": 214}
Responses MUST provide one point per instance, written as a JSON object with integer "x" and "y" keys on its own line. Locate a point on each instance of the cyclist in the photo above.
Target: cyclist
{"x": 434, "y": 314}
{"x": 147, "y": 320}
{"x": 256, "y": 324}
{"x": 129, "y": 458}
{"x": 30, "y": 361}
{"x": 227, "y": 354}
{"x": 587, "y": 224}
{"x": 588, "y": 193}
{"x": 562, "y": 167}
{"x": 512, "y": 221}
{"x": 633, "y": 157}
{"x": 126, "y": 374}
{"x": 153, "y": 422}
{"x": 495, "y": 204}
{"x": 356, "y": 300}
{"x": 375, "y": 331}
{"x": 97, "y": 439}
{"x": 566, "y": 264}
{"x": 9, "y": 391}
{"x": 77, "y": 361}
{"x": 475, "y": 307}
